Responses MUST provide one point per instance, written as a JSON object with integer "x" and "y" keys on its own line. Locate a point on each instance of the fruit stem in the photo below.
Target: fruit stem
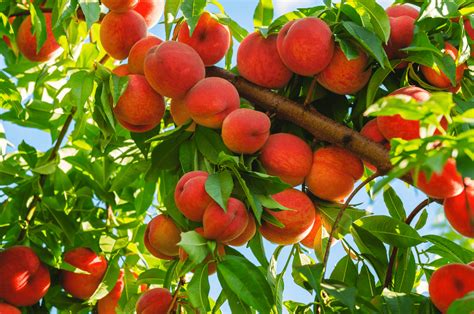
{"x": 181, "y": 283}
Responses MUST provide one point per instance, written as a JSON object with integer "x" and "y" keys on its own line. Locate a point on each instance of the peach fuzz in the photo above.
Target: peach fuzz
{"x": 247, "y": 235}
{"x": 343, "y": 76}
{"x": 258, "y": 61}
{"x": 180, "y": 114}
{"x": 172, "y": 68}
{"x": 225, "y": 226}
{"x": 306, "y": 46}
{"x": 82, "y": 286}
{"x": 333, "y": 173}
{"x": 245, "y": 131}
{"x": 150, "y": 10}
{"x": 140, "y": 108}
{"x": 8, "y": 309}
{"x": 26, "y": 41}
{"x": 24, "y": 279}
{"x": 120, "y": 5}
{"x": 449, "y": 283}
{"x": 190, "y": 195}
{"x": 308, "y": 241}
{"x": 436, "y": 77}
{"x": 136, "y": 57}
{"x": 402, "y": 10}
{"x": 163, "y": 235}
{"x": 120, "y": 31}
{"x": 121, "y": 70}
{"x": 211, "y": 100}
{"x": 107, "y": 304}
{"x": 210, "y": 39}
{"x": 397, "y": 127}
{"x": 297, "y": 221}
{"x": 288, "y": 157}
{"x": 459, "y": 211}
{"x": 156, "y": 301}
{"x": 448, "y": 183}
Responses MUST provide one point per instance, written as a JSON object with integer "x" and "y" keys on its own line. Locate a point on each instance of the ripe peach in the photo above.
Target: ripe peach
{"x": 121, "y": 70}
{"x": 343, "y": 76}
{"x": 247, "y": 235}
{"x": 297, "y": 221}
{"x": 82, "y": 286}
{"x": 107, "y": 304}
{"x": 436, "y": 77}
{"x": 140, "y": 108}
{"x": 136, "y": 57}
{"x": 163, "y": 235}
{"x": 372, "y": 132}
{"x": 180, "y": 114}
{"x": 258, "y": 61}
{"x": 24, "y": 279}
{"x": 402, "y": 29}
{"x": 225, "y": 226}
{"x": 120, "y": 31}
{"x": 288, "y": 157}
{"x": 245, "y": 131}
{"x": 151, "y": 10}
{"x": 8, "y": 309}
{"x": 308, "y": 241}
{"x": 210, "y": 39}
{"x": 402, "y": 10}
{"x": 5, "y": 38}
{"x": 156, "y": 301}
{"x": 211, "y": 100}
{"x": 397, "y": 127}
{"x": 459, "y": 211}
{"x": 172, "y": 68}
{"x": 306, "y": 46}
{"x": 190, "y": 195}
{"x": 26, "y": 41}
{"x": 120, "y": 5}
{"x": 448, "y": 183}
{"x": 449, "y": 283}
{"x": 333, "y": 173}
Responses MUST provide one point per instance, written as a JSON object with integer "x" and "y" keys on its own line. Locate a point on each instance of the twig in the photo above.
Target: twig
{"x": 310, "y": 93}
{"x": 181, "y": 283}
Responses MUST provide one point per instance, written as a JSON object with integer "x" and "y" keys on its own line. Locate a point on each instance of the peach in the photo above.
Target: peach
{"x": 172, "y": 68}
{"x": 372, "y": 132}
{"x": 343, "y": 76}
{"x": 121, "y": 70}
{"x": 190, "y": 195}
{"x": 397, "y": 127}
{"x": 436, "y": 77}
{"x": 469, "y": 29}
{"x": 5, "y": 38}
{"x": 402, "y": 29}
{"x": 306, "y": 46}
{"x": 211, "y": 100}
{"x": 136, "y": 57}
{"x": 210, "y": 39}
{"x": 140, "y": 108}
{"x": 83, "y": 286}
{"x": 247, "y": 235}
{"x": 156, "y": 301}
{"x": 288, "y": 157}
{"x": 459, "y": 211}
{"x": 308, "y": 241}
{"x": 297, "y": 221}
{"x": 119, "y": 31}
{"x": 24, "y": 279}
{"x": 402, "y": 10}
{"x": 225, "y": 226}
{"x": 120, "y": 5}
{"x": 26, "y": 41}
{"x": 245, "y": 131}
{"x": 8, "y": 309}
{"x": 258, "y": 61}
{"x": 448, "y": 183}
{"x": 180, "y": 114}
{"x": 151, "y": 10}
{"x": 107, "y": 304}
{"x": 163, "y": 235}
{"x": 449, "y": 283}
{"x": 333, "y": 173}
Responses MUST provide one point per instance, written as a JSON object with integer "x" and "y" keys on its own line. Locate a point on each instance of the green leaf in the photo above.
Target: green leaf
{"x": 450, "y": 250}
{"x": 198, "y": 288}
{"x": 258, "y": 249}
{"x": 378, "y": 16}
{"x": 462, "y": 305}
{"x": 346, "y": 295}
{"x": 377, "y": 78}
{"x": 192, "y": 9}
{"x": 128, "y": 174}
{"x": 236, "y": 304}
{"x": 219, "y": 186}
{"x": 366, "y": 282}
{"x": 117, "y": 85}
{"x": 246, "y": 280}
{"x": 404, "y": 272}
{"x": 112, "y": 243}
{"x": 109, "y": 280}
{"x": 312, "y": 273}
{"x": 422, "y": 220}
{"x": 345, "y": 271}
{"x": 91, "y": 10}
{"x": 397, "y": 302}
{"x": 390, "y": 231}
{"x": 195, "y": 245}
{"x": 38, "y": 26}
{"x": 394, "y": 204}
{"x": 330, "y": 212}
{"x": 237, "y": 31}
{"x": 282, "y": 20}
{"x": 171, "y": 11}
{"x": 209, "y": 143}
{"x": 263, "y": 14}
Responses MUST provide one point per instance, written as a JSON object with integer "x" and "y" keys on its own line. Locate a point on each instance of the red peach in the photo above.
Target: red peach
{"x": 83, "y": 286}
{"x": 436, "y": 77}
{"x": 180, "y": 114}
{"x": 306, "y": 46}
{"x": 247, "y": 235}
{"x": 154, "y": 301}
{"x": 468, "y": 28}
{"x": 24, "y": 279}
{"x": 288, "y": 157}
{"x": 136, "y": 57}
{"x": 459, "y": 211}
{"x": 140, "y": 108}
{"x": 120, "y": 31}
{"x": 190, "y": 195}
{"x": 151, "y": 10}
{"x": 121, "y": 70}
{"x": 308, "y": 241}
{"x": 107, "y": 304}
{"x": 402, "y": 10}
{"x": 211, "y": 100}
{"x": 245, "y": 131}
{"x": 258, "y": 61}
{"x": 120, "y": 5}
{"x": 448, "y": 183}
{"x": 163, "y": 235}
{"x": 372, "y": 132}
{"x": 172, "y": 68}
{"x": 225, "y": 226}
{"x": 402, "y": 30}
{"x": 297, "y": 221}
{"x": 8, "y": 309}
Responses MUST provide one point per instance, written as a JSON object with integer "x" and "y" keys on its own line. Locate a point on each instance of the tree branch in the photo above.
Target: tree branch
{"x": 181, "y": 283}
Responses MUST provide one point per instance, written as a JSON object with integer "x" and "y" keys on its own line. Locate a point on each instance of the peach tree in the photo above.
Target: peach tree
{"x": 167, "y": 170}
